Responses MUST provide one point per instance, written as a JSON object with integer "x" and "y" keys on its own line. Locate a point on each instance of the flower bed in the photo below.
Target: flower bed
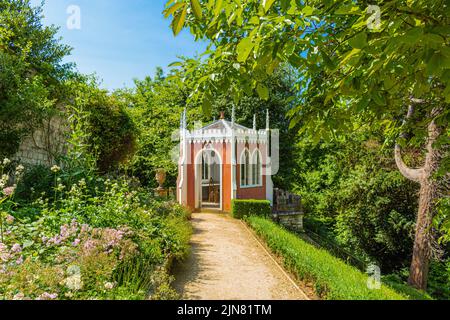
{"x": 106, "y": 242}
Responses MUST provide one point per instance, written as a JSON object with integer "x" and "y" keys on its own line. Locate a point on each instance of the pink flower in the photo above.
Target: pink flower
{"x": 64, "y": 231}
{"x": 84, "y": 228}
{"x": 4, "y": 253}
{"x": 16, "y": 248}
{"x": 47, "y": 296}
{"x": 8, "y": 191}
{"x": 76, "y": 242}
{"x": 19, "y": 261}
{"x": 9, "y": 219}
{"x": 89, "y": 245}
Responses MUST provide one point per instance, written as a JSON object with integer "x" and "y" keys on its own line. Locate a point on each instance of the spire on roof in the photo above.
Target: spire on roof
{"x": 185, "y": 118}
{"x": 267, "y": 120}
{"x": 254, "y": 121}
{"x": 233, "y": 115}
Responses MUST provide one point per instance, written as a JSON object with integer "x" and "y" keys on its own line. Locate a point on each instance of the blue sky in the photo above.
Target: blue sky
{"x": 120, "y": 39}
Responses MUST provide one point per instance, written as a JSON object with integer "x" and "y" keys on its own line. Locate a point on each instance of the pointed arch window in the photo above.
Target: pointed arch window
{"x": 205, "y": 167}
{"x": 245, "y": 168}
{"x": 256, "y": 168}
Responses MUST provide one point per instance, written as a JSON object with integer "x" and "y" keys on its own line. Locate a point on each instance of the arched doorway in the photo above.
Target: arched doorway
{"x": 208, "y": 180}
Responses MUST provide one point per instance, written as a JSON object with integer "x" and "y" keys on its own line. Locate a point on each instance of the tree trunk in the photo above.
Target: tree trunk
{"x": 418, "y": 274}
{"x": 428, "y": 193}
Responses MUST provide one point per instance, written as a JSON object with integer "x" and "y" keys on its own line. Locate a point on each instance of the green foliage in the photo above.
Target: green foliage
{"x": 439, "y": 279}
{"x": 155, "y": 107}
{"x": 348, "y": 65}
{"x": 114, "y": 239}
{"x": 352, "y": 69}
{"x": 243, "y": 208}
{"x": 442, "y": 220}
{"x": 396, "y": 283}
{"x": 353, "y": 188}
{"x": 36, "y": 182}
{"x": 278, "y": 104}
{"x": 31, "y": 72}
{"x": 318, "y": 267}
{"x": 107, "y": 129}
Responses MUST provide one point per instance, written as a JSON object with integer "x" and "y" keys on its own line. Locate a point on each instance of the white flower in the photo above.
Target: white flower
{"x": 6, "y": 161}
{"x": 74, "y": 282}
{"x": 3, "y": 181}
{"x": 109, "y": 285}
{"x": 20, "y": 168}
{"x": 19, "y": 296}
{"x": 55, "y": 169}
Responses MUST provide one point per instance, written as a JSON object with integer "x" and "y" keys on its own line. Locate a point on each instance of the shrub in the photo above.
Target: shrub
{"x": 242, "y": 208}
{"x": 332, "y": 278}
{"x": 37, "y": 180}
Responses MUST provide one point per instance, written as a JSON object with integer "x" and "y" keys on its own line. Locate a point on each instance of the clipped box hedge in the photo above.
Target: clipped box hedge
{"x": 242, "y": 208}
{"x": 332, "y": 278}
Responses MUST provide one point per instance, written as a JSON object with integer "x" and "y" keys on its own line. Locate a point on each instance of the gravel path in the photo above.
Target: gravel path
{"x": 227, "y": 263}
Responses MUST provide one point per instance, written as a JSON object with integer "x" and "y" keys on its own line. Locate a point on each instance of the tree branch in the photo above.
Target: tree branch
{"x": 409, "y": 173}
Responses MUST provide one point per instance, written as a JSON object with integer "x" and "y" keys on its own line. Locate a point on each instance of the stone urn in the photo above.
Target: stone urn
{"x": 160, "y": 178}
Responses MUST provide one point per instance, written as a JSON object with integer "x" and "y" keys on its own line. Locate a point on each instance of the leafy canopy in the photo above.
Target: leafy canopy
{"x": 349, "y": 65}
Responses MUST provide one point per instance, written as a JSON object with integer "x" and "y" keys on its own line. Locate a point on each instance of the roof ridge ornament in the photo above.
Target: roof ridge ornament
{"x": 267, "y": 120}
{"x": 233, "y": 116}
{"x": 254, "y": 122}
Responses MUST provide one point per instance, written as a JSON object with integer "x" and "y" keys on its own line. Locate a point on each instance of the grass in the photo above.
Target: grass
{"x": 332, "y": 278}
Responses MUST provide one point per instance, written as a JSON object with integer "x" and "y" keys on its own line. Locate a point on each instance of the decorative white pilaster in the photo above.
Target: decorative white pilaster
{"x": 269, "y": 183}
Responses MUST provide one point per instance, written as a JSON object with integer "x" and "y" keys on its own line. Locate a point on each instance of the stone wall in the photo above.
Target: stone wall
{"x": 293, "y": 221}
{"x": 287, "y": 210}
{"x": 44, "y": 144}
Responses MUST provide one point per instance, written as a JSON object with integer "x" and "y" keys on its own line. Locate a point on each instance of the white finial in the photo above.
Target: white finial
{"x": 185, "y": 119}
{"x": 254, "y": 122}
{"x": 267, "y": 120}
{"x": 233, "y": 115}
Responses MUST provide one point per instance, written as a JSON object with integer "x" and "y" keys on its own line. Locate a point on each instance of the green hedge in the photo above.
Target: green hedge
{"x": 333, "y": 279}
{"x": 242, "y": 208}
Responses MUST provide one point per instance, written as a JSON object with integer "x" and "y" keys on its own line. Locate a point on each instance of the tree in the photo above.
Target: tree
{"x": 109, "y": 128}
{"x": 155, "y": 107}
{"x": 31, "y": 72}
{"x": 354, "y": 61}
